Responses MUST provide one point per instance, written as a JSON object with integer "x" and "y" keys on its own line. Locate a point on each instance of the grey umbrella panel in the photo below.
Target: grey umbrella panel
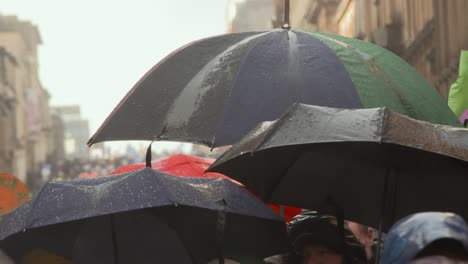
{"x": 130, "y": 237}
{"x": 187, "y": 79}
{"x": 358, "y": 159}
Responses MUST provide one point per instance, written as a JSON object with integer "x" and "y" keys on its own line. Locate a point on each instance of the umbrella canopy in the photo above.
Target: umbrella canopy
{"x": 208, "y": 215}
{"x": 192, "y": 166}
{"x": 130, "y": 237}
{"x": 364, "y": 160}
{"x": 13, "y": 192}
{"x": 213, "y": 91}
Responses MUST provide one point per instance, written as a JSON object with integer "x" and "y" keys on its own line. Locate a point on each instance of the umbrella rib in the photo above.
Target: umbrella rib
{"x": 179, "y": 235}
{"x": 234, "y": 81}
{"x": 93, "y": 140}
{"x": 115, "y": 247}
{"x": 163, "y": 131}
{"x": 31, "y": 209}
{"x": 285, "y": 171}
{"x": 274, "y": 127}
{"x": 163, "y": 185}
{"x": 383, "y": 125}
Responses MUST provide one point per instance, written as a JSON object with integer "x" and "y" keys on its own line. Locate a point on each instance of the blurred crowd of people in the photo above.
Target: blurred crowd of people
{"x": 81, "y": 168}
{"x": 75, "y": 168}
{"x": 421, "y": 238}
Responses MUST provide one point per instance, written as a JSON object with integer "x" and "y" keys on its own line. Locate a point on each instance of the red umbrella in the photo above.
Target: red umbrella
{"x": 13, "y": 192}
{"x": 179, "y": 165}
{"x": 191, "y": 166}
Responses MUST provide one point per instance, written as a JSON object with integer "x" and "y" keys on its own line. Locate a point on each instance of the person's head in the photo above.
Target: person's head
{"x": 364, "y": 234}
{"x": 431, "y": 237}
{"x": 317, "y": 238}
{"x": 447, "y": 248}
{"x": 315, "y": 253}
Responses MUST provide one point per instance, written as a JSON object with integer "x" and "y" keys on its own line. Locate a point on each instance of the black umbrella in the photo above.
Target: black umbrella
{"x": 131, "y": 237}
{"x": 375, "y": 164}
{"x": 213, "y": 91}
{"x": 143, "y": 217}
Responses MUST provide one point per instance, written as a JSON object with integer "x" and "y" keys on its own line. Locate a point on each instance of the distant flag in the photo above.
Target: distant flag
{"x": 458, "y": 94}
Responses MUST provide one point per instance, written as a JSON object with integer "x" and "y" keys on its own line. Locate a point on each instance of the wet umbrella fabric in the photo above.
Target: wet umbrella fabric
{"x": 130, "y": 237}
{"x": 189, "y": 208}
{"x": 213, "y": 91}
{"x": 192, "y": 166}
{"x": 374, "y": 163}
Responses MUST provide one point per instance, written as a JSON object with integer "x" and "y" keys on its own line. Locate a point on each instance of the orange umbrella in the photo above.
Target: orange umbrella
{"x": 13, "y": 192}
{"x": 41, "y": 256}
{"x": 192, "y": 166}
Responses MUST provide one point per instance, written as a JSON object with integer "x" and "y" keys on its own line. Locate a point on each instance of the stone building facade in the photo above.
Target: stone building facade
{"x": 76, "y": 131}
{"x": 249, "y": 15}
{"x": 26, "y": 136}
{"x": 7, "y": 109}
{"x": 428, "y": 34}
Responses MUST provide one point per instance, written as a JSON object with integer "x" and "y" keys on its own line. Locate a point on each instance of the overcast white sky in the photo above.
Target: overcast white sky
{"x": 95, "y": 50}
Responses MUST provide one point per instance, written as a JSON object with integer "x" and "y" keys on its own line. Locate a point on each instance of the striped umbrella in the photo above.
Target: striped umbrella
{"x": 213, "y": 91}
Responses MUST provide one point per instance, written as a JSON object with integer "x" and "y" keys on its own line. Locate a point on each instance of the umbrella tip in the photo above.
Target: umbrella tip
{"x": 212, "y": 143}
{"x": 222, "y": 202}
{"x": 286, "y": 26}
{"x": 148, "y": 156}
{"x": 90, "y": 141}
